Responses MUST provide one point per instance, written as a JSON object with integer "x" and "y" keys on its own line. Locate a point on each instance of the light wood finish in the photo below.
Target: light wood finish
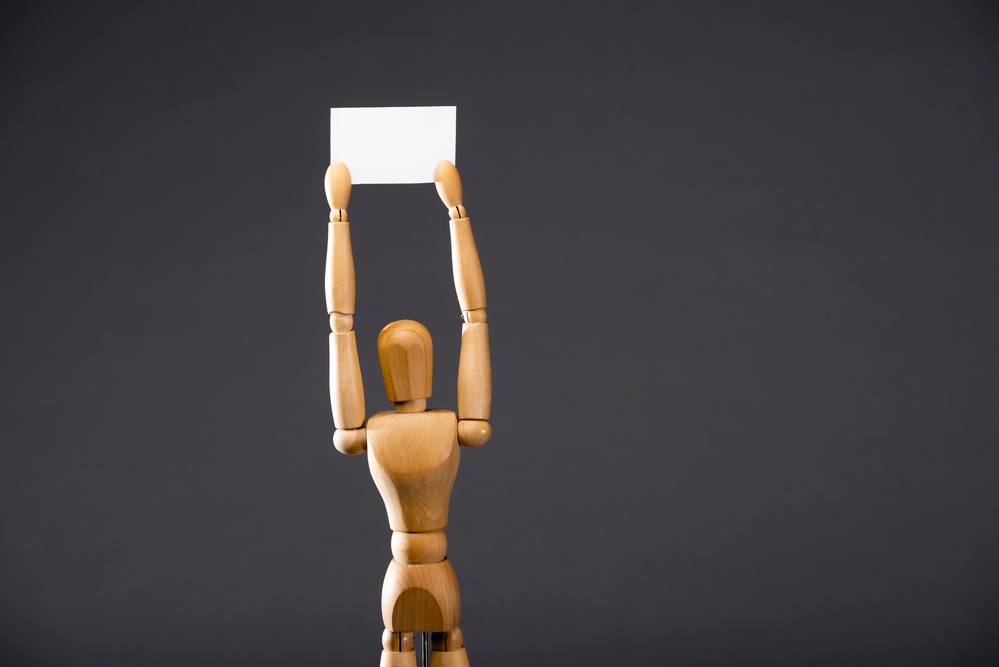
{"x": 339, "y": 270}
{"x": 406, "y": 353}
{"x": 413, "y": 453}
{"x": 457, "y": 658}
{"x": 413, "y": 459}
{"x": 465, "y": 264}
{"x": 346, "y": 388}
{"x": 397, "y": 642}
{"x": 477, "y": 316}
{"x": 420, "y": 598}
{"x": 339, "y": 256}
{"x": 475, "y": 375}
{"x": 350, "y": 441}
{"x": 474, "y": 432}
{"x": 474, "y": 369}
{"x": 419, "y": 548}
{"x": 340, "y": 323}
{"x": 418, "y": 405}
{"x": 396, "y": 659}
{"x": 452, "y": 640}
{"x": 337, "y": 188}
{"x": 448, "y": 183}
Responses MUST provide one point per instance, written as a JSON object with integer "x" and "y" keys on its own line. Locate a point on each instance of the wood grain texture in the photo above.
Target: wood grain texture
{"x": 474, "y": 432}
{"x": 452, "y": 640}
{"x": 474, "y": 316}
{"x": 397, "y": 659}
{"x": 457, "y": 658}
{"x": 475, "y": 375}
{"x": 468, "y": 281}
{"x": 346, "y": 388}
{"x": 350, "y": 441}
{"x": 406, "y": 354}
{"x": 413, "y": 460}
{"x": 339, "y": 269}
{"x": 417, "y": 405}
{"x": 448, "y": 183}
{"x": 340, "y": 323}
{"x": 419, "y": 548}
{"x": 420, "y": 598}
{"x": 413, "y": 454}
{"x": 397, "y": 642}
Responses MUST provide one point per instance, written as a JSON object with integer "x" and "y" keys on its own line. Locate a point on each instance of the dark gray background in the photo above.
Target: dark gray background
{"x": 742, "y": 277}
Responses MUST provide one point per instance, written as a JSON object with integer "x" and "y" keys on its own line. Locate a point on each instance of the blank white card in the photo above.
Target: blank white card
{"x": 392, "y": 144}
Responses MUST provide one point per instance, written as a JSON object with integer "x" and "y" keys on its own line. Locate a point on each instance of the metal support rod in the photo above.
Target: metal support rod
{"x": 426, "y": 649}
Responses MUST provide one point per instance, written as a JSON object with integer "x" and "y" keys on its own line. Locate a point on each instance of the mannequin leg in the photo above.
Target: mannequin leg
{"x": 397, "y": 649}
{"x": 449, "y": 649}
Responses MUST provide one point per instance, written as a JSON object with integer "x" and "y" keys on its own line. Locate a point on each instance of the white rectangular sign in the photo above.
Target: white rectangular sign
{"x": 392, "y": 144}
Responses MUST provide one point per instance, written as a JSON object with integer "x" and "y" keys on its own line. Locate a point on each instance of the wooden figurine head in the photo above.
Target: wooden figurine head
{"x": 406, "y": 353}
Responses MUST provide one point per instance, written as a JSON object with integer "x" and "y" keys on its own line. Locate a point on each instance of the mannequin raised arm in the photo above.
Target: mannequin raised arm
{"x": 475, "y": 380}
{"x": 346, "y": 388}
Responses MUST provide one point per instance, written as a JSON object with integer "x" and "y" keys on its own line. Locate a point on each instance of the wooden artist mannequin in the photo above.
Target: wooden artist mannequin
{"x": 412, "y": 452}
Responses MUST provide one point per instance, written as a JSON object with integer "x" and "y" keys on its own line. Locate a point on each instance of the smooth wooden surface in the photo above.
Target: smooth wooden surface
{"x": 413, "y": 460}
{"x": 397, "y": 642}
{"x": 452, "y": 640}
{"x": 465, "y": 264}
{"x": 346, "y": 388}
{"x": 350, "y": 441}
{"x": 396, "y": 659}
{"x": 420, "y": 598}
{"x": 340, "y": 323}
{"x": 419, "y": 548}
{"x": 417, "y": 405}
{"x": 413, "y": 454}
{"x": 448, "y": 183}
{"x": 339, "y": 269}
{"x": 474, "y": 316}
{"x": 474, "y": 432}
{"x": 337, "y": 186}
{"x": 458, "y": 658}
{"x": 406, "y": 354}
{"x": 475, "y": 376}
